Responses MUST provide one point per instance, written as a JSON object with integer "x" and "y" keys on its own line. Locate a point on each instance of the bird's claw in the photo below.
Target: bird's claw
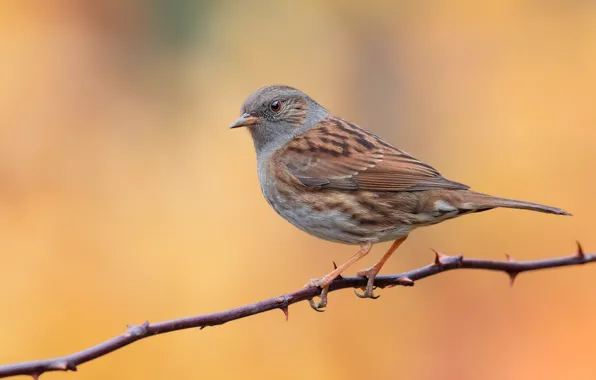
{"x": 368, "y": 293}
{"x": 318, "y": 306}
{"x": 370, "y": 274}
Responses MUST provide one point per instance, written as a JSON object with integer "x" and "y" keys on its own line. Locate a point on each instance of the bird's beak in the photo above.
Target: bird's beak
{"x": 245, "y": 121}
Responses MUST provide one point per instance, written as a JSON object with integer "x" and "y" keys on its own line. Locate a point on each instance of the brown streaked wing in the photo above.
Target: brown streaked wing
{"x": 337, "y": 154}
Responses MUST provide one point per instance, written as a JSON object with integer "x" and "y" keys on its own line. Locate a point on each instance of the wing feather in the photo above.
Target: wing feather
{"x": 340, "y": 155}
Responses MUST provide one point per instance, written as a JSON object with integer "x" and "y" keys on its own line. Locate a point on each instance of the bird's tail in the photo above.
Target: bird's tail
{"x": 474, "y": 201}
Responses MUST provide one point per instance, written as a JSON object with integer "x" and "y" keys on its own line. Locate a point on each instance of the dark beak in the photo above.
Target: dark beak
{"x": 245, "y": 121}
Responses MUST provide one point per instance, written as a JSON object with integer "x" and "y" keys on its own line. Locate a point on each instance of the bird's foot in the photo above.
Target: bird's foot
{"x": 322, "y": 283}
{"x": 326, "y": 280}
{"x": 370, "y": 274}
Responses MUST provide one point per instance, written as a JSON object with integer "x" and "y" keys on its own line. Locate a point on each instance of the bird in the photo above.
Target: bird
{"x": 341, "y": 183}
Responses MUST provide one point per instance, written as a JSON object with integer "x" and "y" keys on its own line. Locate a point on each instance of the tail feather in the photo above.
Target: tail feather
{"x": 478, "y": 201}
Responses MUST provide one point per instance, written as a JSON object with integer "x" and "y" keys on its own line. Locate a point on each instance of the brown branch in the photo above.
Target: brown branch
{"x": 441, "y": 264}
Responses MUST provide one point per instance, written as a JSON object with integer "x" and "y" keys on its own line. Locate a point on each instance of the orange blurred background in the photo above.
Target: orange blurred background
{"x": 124, "y": 197}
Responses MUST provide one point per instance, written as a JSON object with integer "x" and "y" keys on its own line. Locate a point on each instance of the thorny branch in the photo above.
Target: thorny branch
{"x": 442, "y": 263}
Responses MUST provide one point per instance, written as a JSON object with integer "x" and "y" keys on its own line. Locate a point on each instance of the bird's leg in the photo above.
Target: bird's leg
{"x": 326, "y": 280}
{"x": 372, "y": 272}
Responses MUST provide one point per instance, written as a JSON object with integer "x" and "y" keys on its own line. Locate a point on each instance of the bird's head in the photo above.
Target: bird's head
{"x": 276, "y": 114}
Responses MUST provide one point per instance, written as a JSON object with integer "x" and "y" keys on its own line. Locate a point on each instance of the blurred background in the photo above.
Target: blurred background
{"x": 124, "y": 197}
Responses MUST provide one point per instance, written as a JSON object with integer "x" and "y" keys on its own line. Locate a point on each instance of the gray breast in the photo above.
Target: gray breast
{"x": 332, "y": 225}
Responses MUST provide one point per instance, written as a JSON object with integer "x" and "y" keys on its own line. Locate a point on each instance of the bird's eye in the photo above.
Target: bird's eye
{"x": 275, "y": 106}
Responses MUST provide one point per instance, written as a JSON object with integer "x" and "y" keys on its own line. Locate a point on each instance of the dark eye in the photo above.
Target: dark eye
{"x": 275, "y": 106}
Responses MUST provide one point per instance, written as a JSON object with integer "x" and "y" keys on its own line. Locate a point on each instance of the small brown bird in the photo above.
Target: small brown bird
{"x": 340, "y": 182}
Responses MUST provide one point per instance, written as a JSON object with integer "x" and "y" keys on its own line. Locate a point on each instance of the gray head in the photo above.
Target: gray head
{"x": 274, "y": 115}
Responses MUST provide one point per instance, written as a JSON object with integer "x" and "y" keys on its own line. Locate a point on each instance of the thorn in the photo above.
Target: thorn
{"x": 35, "y": 376}
{"x": 439, "y": 257}
{"x": 509, "y": 258}
{"x": 71, "y": 366}
{"x": 580, "y": 251}
{"x": 512, "y": 276}
{"x": 286, "y": 312}
{"x": 202, "y": 327}
{"x": 403, "y": 281}
{"x": 339, "y": 277}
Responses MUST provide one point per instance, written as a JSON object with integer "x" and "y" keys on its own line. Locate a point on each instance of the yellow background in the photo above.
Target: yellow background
{"x": 125, "y": 198}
